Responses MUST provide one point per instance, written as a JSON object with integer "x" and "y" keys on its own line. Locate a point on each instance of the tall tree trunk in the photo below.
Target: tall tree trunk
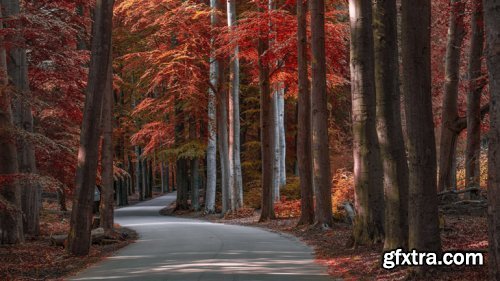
{"x": 266, "y": 131}
{"x": 304, "y": 153}
{"x": 320, "y": 141}
{"x": 81, "y": 216}
{"x": 107, "y": 201}
{"x": 423, "y": 211}
{"x": 277, "y": 153}
{"x": 492, "y": 28}
{"x": 475, "y": 89}
{"x": 222, "y": 130}
{"x": 11, "y": 223}
{"x": 449, "y": 115}
{"x": 234, "y": 124}
{"x": 17, "y": 66}
{"x": 282, "y": 138}
{"x": 368, "y": 225}
{"x": 212, "y": 117}
{"x": 389, "y": 129}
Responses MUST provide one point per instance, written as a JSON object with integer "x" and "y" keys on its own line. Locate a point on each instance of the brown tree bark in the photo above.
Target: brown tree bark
{"x": 107, "y": 203}
{"x": 449, "y": 114}
{"x": 389, "y": 129}
{"x": 17, "y": 66}
{"x": 369, "y": 221}
{"x": 81, "y": 217}
{"x": 304, "y": 153}
{"x": 320, "y": 141}
{"x": 423, "y": 212}
{"x": 223, "y": 139}
{"x": 475, "y": 89}
{"x": 492, "y": 33}
{"x": 11, "y": 222}
{"x": 266, "y": 132}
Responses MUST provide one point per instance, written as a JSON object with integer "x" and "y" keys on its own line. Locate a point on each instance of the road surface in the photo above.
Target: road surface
{"x": 176, "y": 249}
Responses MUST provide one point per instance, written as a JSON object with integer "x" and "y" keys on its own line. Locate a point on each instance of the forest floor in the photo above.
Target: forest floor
{"x": 39, "y": 259}
{"x": 460, "y": 231}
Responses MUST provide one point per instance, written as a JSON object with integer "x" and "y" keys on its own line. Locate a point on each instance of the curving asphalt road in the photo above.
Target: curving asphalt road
{"x": 175, "y": 249}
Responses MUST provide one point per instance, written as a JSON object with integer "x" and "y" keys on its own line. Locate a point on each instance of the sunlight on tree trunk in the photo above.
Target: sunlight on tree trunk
{"x": 81, "y": 217}
{"x": 320, "y": 140}
{"x": 390, "y": 132}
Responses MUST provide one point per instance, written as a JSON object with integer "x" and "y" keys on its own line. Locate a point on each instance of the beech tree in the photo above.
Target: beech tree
{"x": 266, "y": 131}
{"x": 474, "y": 91}
{"x": 415, "y": 44}
{"x": 236, "y": 180}
{"x": 81, "y": 217}
{"x": 389, "y": 128}
{"x": 450, "y": 128}
{"x": 17, "y": 66}
{"x": 212, "y": 116}
{"x": 304, "y": 153}
{"x": 10, "y": 194}
{"x": 320, "y": 140}
{"x": 107, "y": 202}
{"x": 367, "y": 166}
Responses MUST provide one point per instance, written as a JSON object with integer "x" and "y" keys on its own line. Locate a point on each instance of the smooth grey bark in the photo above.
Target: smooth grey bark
{"x": 11, "y": 223}
{"x": 234, "y": 124}
{"x": 492, "y": 32}
{"x": 320, "y": 140}
{"x": 389, "y": 128}
{"x": 106, "y": 211}
{"x": 282, "y": 137}
{"x": 304, "y": 137}
{"x": 449, "y": 115}
{"x": 475, "y": 89}
{"x": 212, "y": 118}
{"x": 369, "y": 203}
{"x": 17, "y": 66}
{"x": 277, "y": 153}
{"x": 416, "y": 54}
{"x": 194, "y": 166}
{"x": 81, "y": 216}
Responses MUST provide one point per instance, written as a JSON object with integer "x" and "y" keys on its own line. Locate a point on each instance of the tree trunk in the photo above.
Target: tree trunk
{"x": 304, "y": 153}
{"x": 282, "y": 137}
{"x": 11, "y": 223}
{"x": 320, "y": 141}
{"x": 235, "y": 106}
{"x": 223, "y": 143}
{"x": 277, "y": 153}
{"x": 423, "y": 212}
{"x": 182, "y": 185}
{"x": 492, "y": 28}
{"x": 17, "y": 66}
{"x": 138, "y": 173}
{"x": 195, "y": 170}
{"x": 449, "y": 115}
{"x": 389, "y": 129}
{"x": 368, "y": 225}
{"x": 81, "y": 216}
{"x": 475, "y": 89}
{"x": 266, "y": 131}
{"x": 107, "y": 201}
{"x": 212, "y": 118}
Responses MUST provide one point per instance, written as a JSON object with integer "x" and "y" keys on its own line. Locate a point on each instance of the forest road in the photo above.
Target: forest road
{"x": 176, "y": 249}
